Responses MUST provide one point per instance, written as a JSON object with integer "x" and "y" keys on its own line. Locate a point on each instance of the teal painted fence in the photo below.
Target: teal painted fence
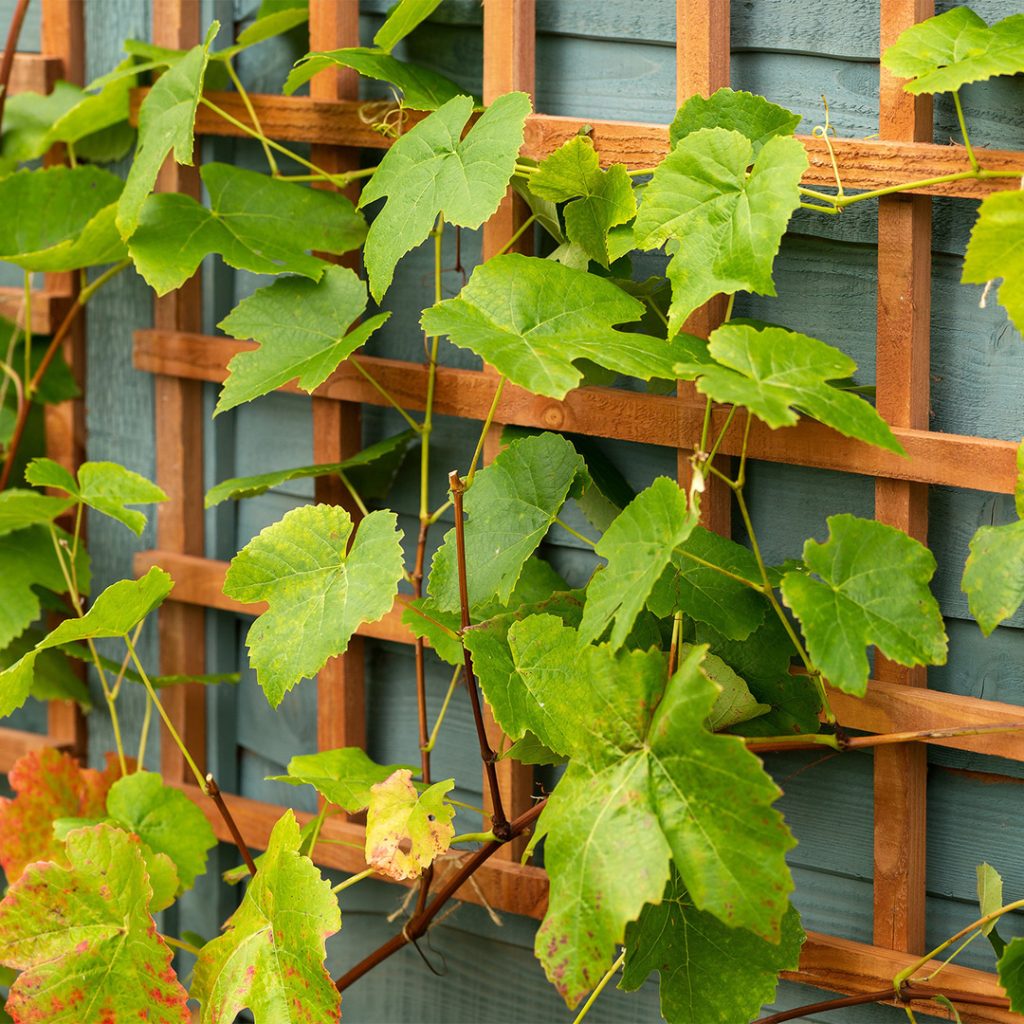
{"x": 608, "y": 59}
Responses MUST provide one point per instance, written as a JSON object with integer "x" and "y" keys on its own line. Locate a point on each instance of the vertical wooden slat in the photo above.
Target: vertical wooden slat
{"x": 179, "y": 461}
{"x": 62, "y": 35}
{"x": 702, "y": 66}
{"x": 904, "y": 300}
{"x": 509, "y": 63}
{"x": 337, "y": 426}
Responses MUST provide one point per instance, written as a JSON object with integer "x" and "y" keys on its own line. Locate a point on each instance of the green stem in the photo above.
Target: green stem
{"x": 722, "y": 572}
{"x": 467, "y": 807}
{"x": 186, "y": 947}
{"x": 484, "y": 431}
{"x": 172, "y": 732}
{"x": 579, "y": 536}
{"x": 341, "y": 179}
{"x": 721, "y": 435}
{"x": 518, "y": 234}
{"x": 705, "y": 429}
{"x": 353, "y": 880}
{"x": 831, "y": 211}
{"x": 608, "y": 975}
{"x": 351, "y": 490}
{"x": 428, "y": 412}
{"x": 475, "y": 837}
{"x": 314, "y": 836}
{"x": 910, "y": 186}
{"x": 147, "y": 719}
{"x": 385, "y": 394}
{"x": 237, "y": 83}
{"x": 963, "y": 130}
{"x": 444, "y": 710}
{"x": 28, "y": 325}
{"x": 90, "y": 289}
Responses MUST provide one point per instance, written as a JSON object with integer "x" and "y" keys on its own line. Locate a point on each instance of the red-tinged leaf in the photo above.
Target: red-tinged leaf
{"x": 85, "y": 941}
{"x": 48, "y": 785}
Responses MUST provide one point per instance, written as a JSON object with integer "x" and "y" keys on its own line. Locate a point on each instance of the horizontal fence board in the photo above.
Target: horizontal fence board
{"x": 33, "y": 72}
{"x": 866, "y": 164}
{"x": 981, "y": 463}
{"x": 48, "y": 308}
{"x": 14, "y": 743}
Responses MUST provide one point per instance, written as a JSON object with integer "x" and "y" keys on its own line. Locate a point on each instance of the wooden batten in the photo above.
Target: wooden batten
{"x": 34, "y": 72}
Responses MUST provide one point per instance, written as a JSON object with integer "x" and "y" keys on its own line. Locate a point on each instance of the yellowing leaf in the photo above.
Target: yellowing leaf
{"x": 406, "y": 831}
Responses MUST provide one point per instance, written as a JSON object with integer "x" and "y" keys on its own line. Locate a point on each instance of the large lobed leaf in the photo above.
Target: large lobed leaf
{"x": 270, "y": 958}
{"x": 954, "y": 48}
{"x": 434, "y": 169}
{"x": 750, "y": 115}
{"x": 318, "y": 591}
{"x": 776, "y": 373}
{"x": 869, "y": 586}
{"x": 254, "y": 222}
{"x": 84, "y": 939}
{"x": 724, "y": 224}
{"x": 996, "y": 250}
{"x": 301, "y": 329}
{"x": 531, "y": 319}
{"x": 510, "y": 507}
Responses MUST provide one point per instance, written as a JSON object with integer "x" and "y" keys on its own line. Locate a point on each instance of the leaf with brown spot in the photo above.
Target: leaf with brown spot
{"x": 406, "y": 831}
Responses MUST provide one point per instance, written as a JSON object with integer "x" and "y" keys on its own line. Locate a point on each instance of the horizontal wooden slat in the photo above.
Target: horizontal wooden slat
{"x": 887, "y": 707}
{"x": 840, "y": 965}
{"x": 33, "y": 72}
{"x": 892, "y": 707}
{"x": 865, "y": 164}
{"x": 15, "y": 743}
{"x": 48, "y": 308}
{"x": 953, "y": 460}
{"x": 510, "y": 886}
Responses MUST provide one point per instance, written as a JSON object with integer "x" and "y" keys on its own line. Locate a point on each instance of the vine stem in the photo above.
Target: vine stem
{"x": 518, "y": 234}
{"x": 601, "y": 985}
{"x": 186, "y": 947}
{"x": 7, "y": 62}
{"x": 420, "y": 921}
{"x": 963, "y": 131}
{"x": 777, "y": 744}
{"x": 237, "y": 83}
{"x": 431, "y": 742}
{"x": 499, "y": 823}
{"x": 353, "y": 880}
{"x": 385, "y": 394}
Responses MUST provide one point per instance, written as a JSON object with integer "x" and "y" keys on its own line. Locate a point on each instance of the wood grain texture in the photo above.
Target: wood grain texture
{"x": 981, "y": 464}
{"x": 16, "y": 743}
{"x": 48, "y": 307}
{"x": 34, "y": 72}
{"x": 179, "y": 416}
{"x": 903, "y": 347}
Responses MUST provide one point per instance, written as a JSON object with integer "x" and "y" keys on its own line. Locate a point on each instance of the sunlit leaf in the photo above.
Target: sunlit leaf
{"x": 344, "y": 776}
{"x": 994, "y": 573}
{"x": 996, "y": 249}
{"x": 727, "y": 222}
{"x": 403, "y": 17}
{"x": 84, "y": 939}
{"x": 318, "y": 590}
{"x": 990, "y": 899}
{"x": 531, "y": 319}
{"x": 254, "y": 223}
{"x": 744, "y": 112}
{"x": 271, "y": 955}
{"x": 405, "y": 830}
{"x": 1011, "y": 973}
{"x": 433, "y": 169}
{"x": 20, "y": 508}
{"x": 53, "y": 676}
{"x": 301, "y": 327}
{"x": 510, "y": 507}
{"x": 106, "y": 487}
{"x": 869, "y": 586}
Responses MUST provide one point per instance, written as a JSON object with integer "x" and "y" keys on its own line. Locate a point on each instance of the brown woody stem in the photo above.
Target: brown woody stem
{"x": 776, "y": 744}
{"x": 499, "y": 823}
{"x": 7, "y": 62}
{"x": 213, "y": 792}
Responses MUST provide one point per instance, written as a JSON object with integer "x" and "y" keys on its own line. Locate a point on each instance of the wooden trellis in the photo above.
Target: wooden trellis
{"x": 62, "y": 58}
{"x": 183, "y": 360}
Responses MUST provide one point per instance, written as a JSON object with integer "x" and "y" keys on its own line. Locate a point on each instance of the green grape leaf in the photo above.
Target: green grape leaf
{"x": 735, "y": 704}
{"x": 870, "y": 586}
{"x": 301, "y": 329}
{"x": 994, "y": 574}
{"x": 106, "y": 487}
{"x": 648, "y": 769}
{"x": 64, "y": 219}
{"x": 776, "y": 373}
{"x": 166, "y": 118}
{"x": 29, "y": 561}
{"x": 406, "y": 831}
{"x": 84, "y": 939}
{"x": 990, "y": 899}
{"x": 370, "y": 471}
{"x": 20, "y": 508}
{"x": 254, "y": 222}
{"x": 954, "y": 48}
{"x": 509, "y": 509}
{"x": 100, "y": 118}
{"x": 343, "y": 776}
{"x": 1011, "y": 973}
{"x": 53, "y": 677}
{"x": 537, "y": 582}
{"x": 707, "y": 595}
{"x": 750, "y": 115}
{"x": 114, "y": 613}
{"x": 639, "y": 546}
{"x": 727, "y": 223}
{"x": 421, "y": 88}
{"x": 28, "y": 118}
{"x": 996, "y": 249}
{"x": 303, "y": 568}
{"x": 532, "y": 318}
{"x": 165, "y": 820}
{"x": 710, "y": 973}
{"x": 530, "y": 750}
{"x": 402, "y": 19}
{"x": 433, "y": 169}
{"x": 596, "y": 200}
{"x": 47, "y": 784}
{"x": 267, "y": 25}
{"x": 271, "y": 955}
